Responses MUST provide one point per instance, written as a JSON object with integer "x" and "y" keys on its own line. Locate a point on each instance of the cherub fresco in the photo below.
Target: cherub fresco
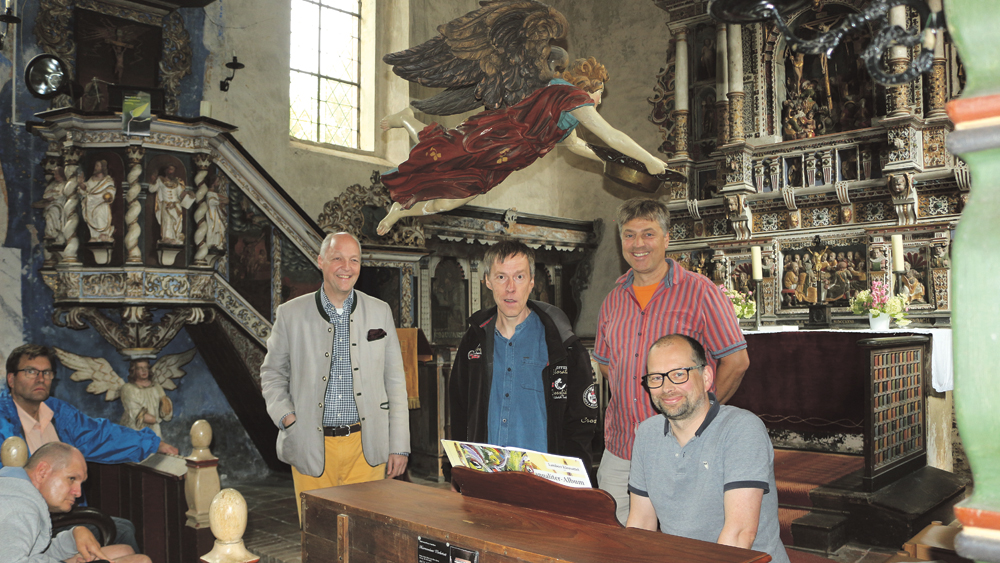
{"x": 499, "y": 58}
{"x": 143, "y": 397}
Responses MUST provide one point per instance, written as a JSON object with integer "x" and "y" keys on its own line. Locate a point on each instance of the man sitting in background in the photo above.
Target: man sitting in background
{"x": 50, "y": 482}
{"x": 27, "y": 410}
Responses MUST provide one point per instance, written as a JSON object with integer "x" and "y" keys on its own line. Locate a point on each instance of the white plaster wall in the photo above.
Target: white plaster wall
{"x": 628, "y": 36}
{"x": 257, "y": 31}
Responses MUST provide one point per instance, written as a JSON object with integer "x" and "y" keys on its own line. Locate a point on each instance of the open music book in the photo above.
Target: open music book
{"x": 488, "y": 458}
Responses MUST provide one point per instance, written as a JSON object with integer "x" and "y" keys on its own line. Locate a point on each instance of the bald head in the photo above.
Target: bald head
{"x": 56, "y": 454}
{"x": 57, "y": 470}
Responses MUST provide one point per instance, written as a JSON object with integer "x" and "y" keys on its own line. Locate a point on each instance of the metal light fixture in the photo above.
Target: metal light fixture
{"x": 234, "y": 66}
{"x": 7, "y": 19}
{"x": 875, "y": 13}
{"x": 47, "y": 76}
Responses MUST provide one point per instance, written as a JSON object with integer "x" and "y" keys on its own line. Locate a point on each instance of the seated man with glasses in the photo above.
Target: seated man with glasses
{"x": 27, "y": 410}
{"x": 703, "y": 470}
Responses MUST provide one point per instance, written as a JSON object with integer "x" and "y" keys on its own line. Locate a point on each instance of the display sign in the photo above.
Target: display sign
{"x": 435, "y": 551}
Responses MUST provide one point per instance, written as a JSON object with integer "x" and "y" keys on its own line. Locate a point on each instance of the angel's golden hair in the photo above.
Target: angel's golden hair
{"x": 586, "y": 74}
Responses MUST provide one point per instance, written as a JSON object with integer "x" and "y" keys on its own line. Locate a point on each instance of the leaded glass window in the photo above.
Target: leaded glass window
{"x": 324, "y": 82}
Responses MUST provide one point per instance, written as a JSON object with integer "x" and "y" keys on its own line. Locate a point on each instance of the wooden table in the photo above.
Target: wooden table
{"x": 384, "y": 521}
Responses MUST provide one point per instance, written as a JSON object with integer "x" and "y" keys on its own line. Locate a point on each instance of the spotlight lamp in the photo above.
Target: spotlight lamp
{"x": 46, "y": 76}
{"x": 234, "y": 66}
{"x": 7, "y": 19}
{"x": 875, "y": 13}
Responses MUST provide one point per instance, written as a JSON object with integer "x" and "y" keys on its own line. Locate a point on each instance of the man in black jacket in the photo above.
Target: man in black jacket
{"x": 521, "y": 378}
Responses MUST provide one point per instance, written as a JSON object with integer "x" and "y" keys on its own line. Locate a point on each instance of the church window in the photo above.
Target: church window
{"x": 327, "y": 80}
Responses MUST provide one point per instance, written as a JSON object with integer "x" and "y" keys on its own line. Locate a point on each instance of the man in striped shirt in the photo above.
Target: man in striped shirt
{"x": 656, "y": 297}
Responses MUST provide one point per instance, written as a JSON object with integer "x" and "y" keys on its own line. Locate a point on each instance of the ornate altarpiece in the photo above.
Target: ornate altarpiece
{"x": 802, "y": 146}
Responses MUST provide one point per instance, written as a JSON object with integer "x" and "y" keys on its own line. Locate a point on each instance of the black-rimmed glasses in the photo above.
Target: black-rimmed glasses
{"x": 34, "y": 373}
{"x": 676, "y": 376}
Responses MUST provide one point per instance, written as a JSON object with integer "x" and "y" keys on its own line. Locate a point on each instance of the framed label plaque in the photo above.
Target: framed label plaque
{"x": 430, "y": 550}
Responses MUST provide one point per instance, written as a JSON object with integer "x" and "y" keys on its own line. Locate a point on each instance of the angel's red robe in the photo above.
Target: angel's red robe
{"x": 481, "y": 152}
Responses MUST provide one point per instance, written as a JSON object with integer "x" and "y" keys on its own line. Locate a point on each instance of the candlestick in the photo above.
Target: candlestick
{"x": 755, "y": 261}
{"x": 897, "y": 253}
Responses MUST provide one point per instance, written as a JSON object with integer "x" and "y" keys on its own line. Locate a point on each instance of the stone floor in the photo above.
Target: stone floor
{"x": 273, "y": 525}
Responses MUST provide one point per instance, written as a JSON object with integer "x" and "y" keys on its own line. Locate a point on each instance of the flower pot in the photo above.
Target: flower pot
{"x": 880, "y": 322}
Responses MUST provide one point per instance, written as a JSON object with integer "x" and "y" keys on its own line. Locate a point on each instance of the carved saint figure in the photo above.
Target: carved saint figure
{"x": 913, "y": 290}
{"x": 172, "y": 198}
{"x": 53, "y": 201}
{"x": 143, "y": 397}
{"x": 98, "y": 192}
{"x": 215, "y": 218}
{"x": 497, "y": 57}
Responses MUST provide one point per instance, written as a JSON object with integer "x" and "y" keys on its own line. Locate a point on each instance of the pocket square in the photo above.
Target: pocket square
{"x": 375, "y": 334}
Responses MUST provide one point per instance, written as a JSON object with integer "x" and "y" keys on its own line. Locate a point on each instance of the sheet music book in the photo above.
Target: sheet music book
{"x": 488, "y": 458}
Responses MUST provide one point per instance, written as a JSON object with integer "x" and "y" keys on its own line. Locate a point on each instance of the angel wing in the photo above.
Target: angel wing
{"x": 494, "y": 56}
{"x": 168, "y": 368}
{"x": 102, "y": 378}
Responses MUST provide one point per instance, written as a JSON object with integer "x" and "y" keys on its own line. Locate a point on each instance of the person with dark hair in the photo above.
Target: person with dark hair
{"x": 50, "y": 482}
{"x": 521, "y": 378}
{"x": 27, "y": 410}
{"x": 706, "y": 468}
{"x": 655, "y": 297}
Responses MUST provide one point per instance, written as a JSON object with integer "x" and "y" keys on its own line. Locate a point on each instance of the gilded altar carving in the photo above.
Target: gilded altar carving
{"x": 357, "y": 211}
{"x": 902, "y": 143}
{"x": 107, "y": 284}
{"x": 242, "y": 313}
{"x": 136, "y": 329}
{"x": 681, "y": 131}
{"x": 941, "y": 280}
{"x": 898, "y": 97}
{"x": 71, "y": 167}
{"x": 166, "y": 286}
{"x": 937, "y": 88}
{"x": 175, "y": 60}
{"x": 736, "y": 132}
{"x": 662, "y": 101}
{"x": 935, "y": 154}
{"x": 133, "y": 207}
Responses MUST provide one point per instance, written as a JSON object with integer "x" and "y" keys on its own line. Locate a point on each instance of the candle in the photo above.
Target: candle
{"x": 897, "y": 253}
{"x": 206, "y": 108}
{"x": 755, "y": 261}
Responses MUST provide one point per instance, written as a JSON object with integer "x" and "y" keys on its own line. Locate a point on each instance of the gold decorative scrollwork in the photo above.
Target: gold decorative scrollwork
{"x": 345, "y": 213}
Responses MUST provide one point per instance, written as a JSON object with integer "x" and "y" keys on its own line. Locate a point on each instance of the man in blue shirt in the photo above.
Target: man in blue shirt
{"x": 521, "y": 378}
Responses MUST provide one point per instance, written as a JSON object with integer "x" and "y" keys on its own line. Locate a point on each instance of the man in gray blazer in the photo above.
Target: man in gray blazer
{"x": 333, "y": 380}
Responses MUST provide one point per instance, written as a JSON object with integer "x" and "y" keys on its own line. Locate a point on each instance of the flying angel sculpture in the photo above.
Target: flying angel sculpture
{"x": 498, "y": 57}
{"x": 146, "y": 404}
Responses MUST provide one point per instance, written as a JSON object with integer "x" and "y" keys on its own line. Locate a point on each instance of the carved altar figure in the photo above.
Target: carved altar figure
{"x": 143, "y": 398}
{"x": 172, "y": 198}
{"x": 98, "y": 192}
{"x": 53, "y": 201}
{"x": 215, "y": 218}
{"x": 791, "y": 282}
{"x": 912, "y": 290}
{"x": 939, "y": 257}
{"x": 497, "y": 57}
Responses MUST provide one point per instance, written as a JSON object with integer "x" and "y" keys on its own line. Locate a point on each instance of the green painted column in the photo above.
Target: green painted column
{"x": 974, "y": 26}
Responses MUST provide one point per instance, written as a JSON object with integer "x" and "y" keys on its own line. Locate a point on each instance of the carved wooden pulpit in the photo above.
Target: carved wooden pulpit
{"x": 498, "y": 518}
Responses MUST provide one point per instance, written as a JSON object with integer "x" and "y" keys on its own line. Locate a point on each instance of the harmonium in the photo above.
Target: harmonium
{"x": 497, "y": 518}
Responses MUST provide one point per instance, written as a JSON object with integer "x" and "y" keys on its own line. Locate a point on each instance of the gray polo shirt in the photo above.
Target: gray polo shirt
{"x": 731, "y": 450}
